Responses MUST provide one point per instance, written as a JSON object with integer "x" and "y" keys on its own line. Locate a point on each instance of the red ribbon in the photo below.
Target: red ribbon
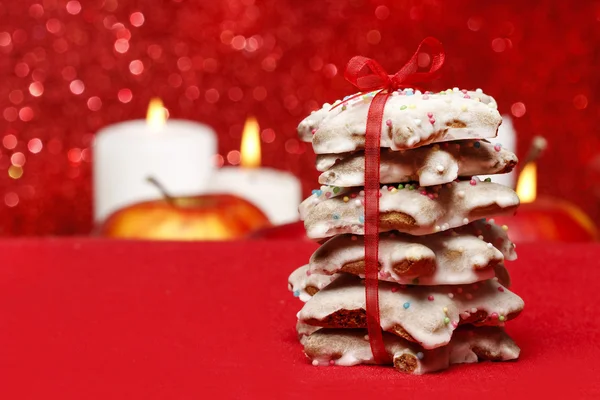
{"x": 367, "y": 75}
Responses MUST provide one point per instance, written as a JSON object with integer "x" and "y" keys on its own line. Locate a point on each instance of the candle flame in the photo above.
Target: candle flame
{"x": 157, "y": 113}
{"x": 527, "y": 184}
{"x": 250, "y": 149}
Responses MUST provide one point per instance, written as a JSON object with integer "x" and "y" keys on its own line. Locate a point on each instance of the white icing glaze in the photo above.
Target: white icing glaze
{"x": 496, "y": 344}
{"x": 305, "y": 329}
{"x": 349, "y": 347}
{"x": 458, "y": 258}
{"x": 429, "y": 165}
{"x": 302, "y": 278}
{"x": 491, "y": 233}
{"x": 500, "y": 272}
{"x": 432, "y": 314}
{"x": 433, "y": 209}
{"x": 408, "y": 121}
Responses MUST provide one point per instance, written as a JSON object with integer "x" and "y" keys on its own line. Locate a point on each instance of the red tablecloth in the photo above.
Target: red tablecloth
{"x": 87, "y": 319}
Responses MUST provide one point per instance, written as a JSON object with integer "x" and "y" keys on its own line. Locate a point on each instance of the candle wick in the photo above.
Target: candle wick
{"x": 161, "y": 188}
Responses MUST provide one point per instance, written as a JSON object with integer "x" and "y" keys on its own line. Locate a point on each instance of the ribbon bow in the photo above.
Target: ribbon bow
{"x": 367, "y": 75}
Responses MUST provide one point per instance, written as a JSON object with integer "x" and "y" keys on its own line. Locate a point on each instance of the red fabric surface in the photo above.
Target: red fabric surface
{"x": 86, "y": 319}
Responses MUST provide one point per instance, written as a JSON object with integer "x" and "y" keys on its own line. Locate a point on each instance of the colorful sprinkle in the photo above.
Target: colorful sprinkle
{"x": 465, "y": 221}
{"x": 315, "y": 363}
{"x": 361, "y": 219}
{"x": 296, "y": 293}
{"x": 317, "y": 192}
{"x": 467, "y": 96}
{"x": 487, "y": 180}
{"x": 400, "y": 186}
{"x": 497, "y": 147}
{"x": 461, "y": 194}
{"x": 346, "y": 199}
{"x": 420, "y": 355}
{"x": 418, "y": 122}
{"x": 388, "y": 122}
{"x": 463, "y": 108}
{"x": 504, "y": 228}
{"x": 328, "y": 194}
{"x": 500, "y": 289}
{"x": 437, "y": 228}
{"x": 402, "y": 107}
{"x": 313, "y": 131}
{"x": 451, "y": 295}
{"x": 412, "y": 106}
{"x": 446, "y": 320}
{"x": 336, "y": 190}
{"x": 494, "y": 315}
{"x": 425, "y": 97}
{"x": 393, "y": 190}
{"x": 430, "y": 298}
{"x": 473, "y": 182}
{"x": 331, "y": 362}
{"x": 406, "y": 305}
{"x": 502, "y": 318}
{"x": 336, "y": 216}
{"x": 394, "y": 289}
{"x": 445, "y": 309}
{"x": 440, "y": 168}
{"x": 477, "y": 144}
{"x": 432, "y": 121}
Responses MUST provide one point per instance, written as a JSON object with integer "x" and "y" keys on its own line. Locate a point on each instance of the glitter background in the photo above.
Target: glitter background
{"x": 68, "y": 68}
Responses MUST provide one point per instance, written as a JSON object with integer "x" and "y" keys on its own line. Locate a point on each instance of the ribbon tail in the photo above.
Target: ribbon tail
{"x": 372, "y": 159}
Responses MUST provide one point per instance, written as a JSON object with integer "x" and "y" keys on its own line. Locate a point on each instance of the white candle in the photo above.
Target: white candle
{"x": 178, "y": 153}
{"x": 507, "y": 137}
{"x": 276, "y": 193}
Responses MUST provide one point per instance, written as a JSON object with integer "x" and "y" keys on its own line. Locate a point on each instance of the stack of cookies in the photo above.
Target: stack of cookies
{"x": 443, "y": 286}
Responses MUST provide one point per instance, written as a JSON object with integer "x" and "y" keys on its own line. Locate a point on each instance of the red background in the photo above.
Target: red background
{"x": 102, "y": 319}
{"x": 69, "y": 68}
